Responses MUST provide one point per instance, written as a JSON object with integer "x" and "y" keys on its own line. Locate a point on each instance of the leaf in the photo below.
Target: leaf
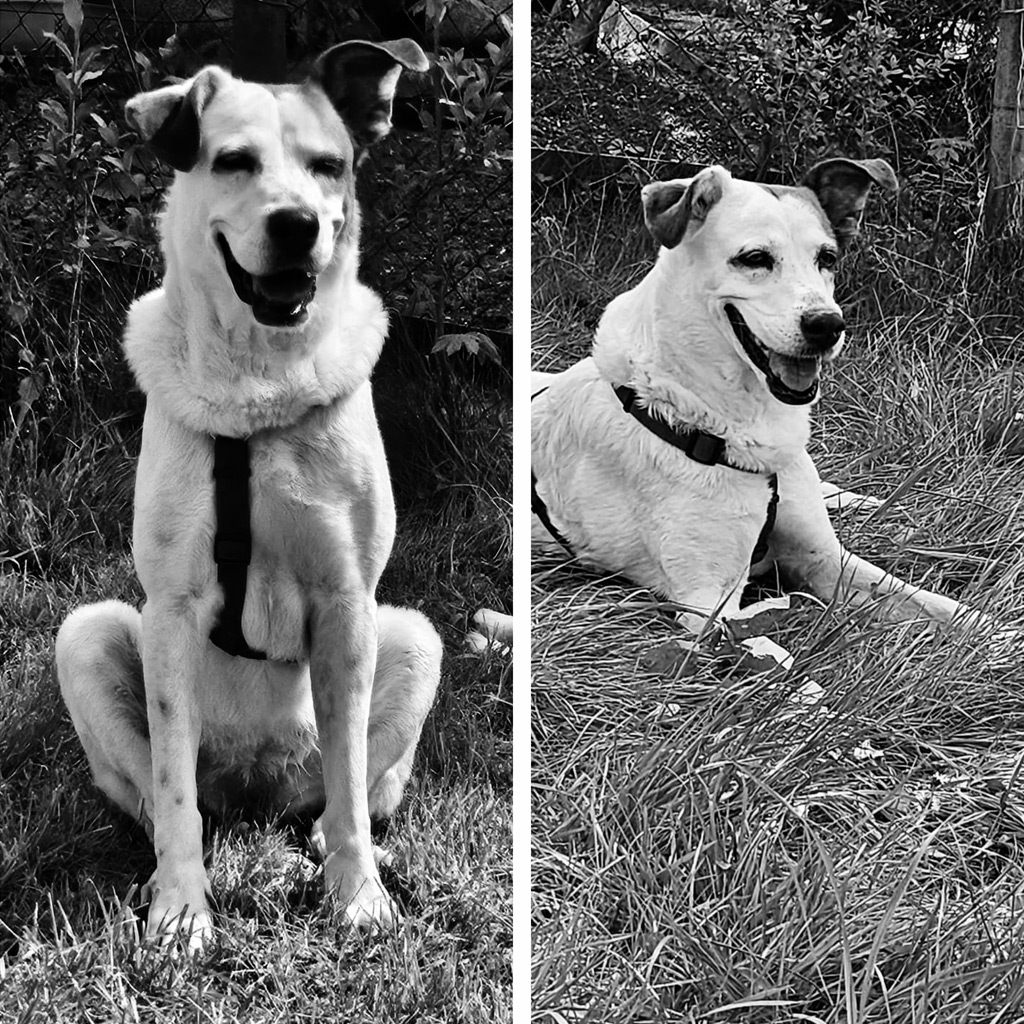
{"x": 435, "y": 11}
{"x": 54, "y": 114}
{"x": 673, "y": 659}
{"x": 61, "y": 45}
{"x": 74, "y": 15}
{"x": 65, "y": 83}
{"x": 118, "y": 186}
{"x": 472, "y": 342}
{"x": 29, "y": 389}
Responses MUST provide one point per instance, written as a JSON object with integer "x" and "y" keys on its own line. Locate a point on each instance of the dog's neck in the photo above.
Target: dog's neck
{"x": 196, "y": 350}
{"x": 662, "y": 339}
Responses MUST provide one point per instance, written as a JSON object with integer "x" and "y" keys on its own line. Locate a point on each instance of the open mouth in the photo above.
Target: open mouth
{"x": 277, "y": 300}
{"x": 791, "y": 379}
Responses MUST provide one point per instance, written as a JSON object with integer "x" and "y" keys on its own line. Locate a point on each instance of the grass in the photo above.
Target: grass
{"x": 706, "y": 850}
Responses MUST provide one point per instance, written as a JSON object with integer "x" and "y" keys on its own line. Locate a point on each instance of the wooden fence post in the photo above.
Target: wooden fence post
{"x": 1004, "y": 203}
{"x": 258, "y": 35}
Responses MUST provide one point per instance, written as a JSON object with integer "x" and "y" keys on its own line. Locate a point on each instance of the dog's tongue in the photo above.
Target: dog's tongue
{"x": 285, "y": 286}
{"x": 281, "y": 299}
{"x": 795, "y": 373}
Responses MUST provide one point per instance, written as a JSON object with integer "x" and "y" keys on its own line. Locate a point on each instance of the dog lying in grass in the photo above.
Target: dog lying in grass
{"x": 261, "y": 672}
{"x": 677, "y": 454}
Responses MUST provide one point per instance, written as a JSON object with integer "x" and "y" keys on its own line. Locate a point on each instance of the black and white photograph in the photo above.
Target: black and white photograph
{"x": 476, "y": 555}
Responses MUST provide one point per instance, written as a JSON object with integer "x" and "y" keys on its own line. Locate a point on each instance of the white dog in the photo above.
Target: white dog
{"x": 717, "y": 352}
{"x": 261, "y": 671}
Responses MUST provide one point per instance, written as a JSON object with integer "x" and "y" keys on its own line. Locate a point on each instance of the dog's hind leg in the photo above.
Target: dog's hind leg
{"x": 539, "y": 380}
{"x": 99, "y": 669}
{"x": 408, "y": 670}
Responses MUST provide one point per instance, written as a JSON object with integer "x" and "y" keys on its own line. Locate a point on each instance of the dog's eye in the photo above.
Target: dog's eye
{"x": 327, "y": 166}
{"x": 233, "y": 161}
{"x": 756, "y": 259}
{"x": 827, "y": 259}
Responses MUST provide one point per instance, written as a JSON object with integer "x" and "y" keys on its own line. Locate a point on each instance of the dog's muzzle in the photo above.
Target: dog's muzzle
{"x": 791, "y": 379}
{"x": 277, "y": 300}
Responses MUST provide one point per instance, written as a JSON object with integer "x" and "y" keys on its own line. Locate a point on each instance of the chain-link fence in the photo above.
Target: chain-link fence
{"x": 437, "y": 193}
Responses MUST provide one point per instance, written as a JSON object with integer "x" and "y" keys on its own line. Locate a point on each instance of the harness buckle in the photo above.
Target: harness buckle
{"x": 705, "y": 448}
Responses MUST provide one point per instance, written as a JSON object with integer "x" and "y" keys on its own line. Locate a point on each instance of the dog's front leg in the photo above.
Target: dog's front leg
{"x": 171, "y": 665}
{"x": 343, "y": 658}
{"x": 805, "y": 546}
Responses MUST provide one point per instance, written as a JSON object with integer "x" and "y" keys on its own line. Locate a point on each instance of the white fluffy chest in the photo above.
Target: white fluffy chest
{"x": 321, "y": 520}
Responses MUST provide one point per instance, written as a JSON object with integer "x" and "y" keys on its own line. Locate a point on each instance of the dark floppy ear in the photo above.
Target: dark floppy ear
{"x": 671, "y": 206}
{"x": 168, "y": 118}
{"x": 360, "y": 78}
{"x": 842, "y": 188}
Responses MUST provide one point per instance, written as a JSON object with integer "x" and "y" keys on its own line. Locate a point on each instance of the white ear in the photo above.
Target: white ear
{"x": 168, "y": 118}
{"x": 670, "y": 207}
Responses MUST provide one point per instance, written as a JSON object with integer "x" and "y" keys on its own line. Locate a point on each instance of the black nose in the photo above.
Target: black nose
{"x": 822, "y": 330}
{"x": 292, "y": 231}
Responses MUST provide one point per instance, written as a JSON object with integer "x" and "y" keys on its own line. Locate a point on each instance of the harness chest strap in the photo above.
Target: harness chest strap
{"x": 232, "y": 539}
{"x": 232, "y": 542}
{"x": 699, "y": 445}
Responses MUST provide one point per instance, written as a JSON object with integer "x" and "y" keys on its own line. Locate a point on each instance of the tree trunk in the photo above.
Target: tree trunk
{"x": 582, "y": 36}
{"x": 258, "y": 37}
{"x": 1004, "y": 204}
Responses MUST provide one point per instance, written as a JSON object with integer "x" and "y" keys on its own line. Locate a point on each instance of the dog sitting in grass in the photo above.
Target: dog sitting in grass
{"x": 261, "y": 673}
{"x": 677, "y": 454}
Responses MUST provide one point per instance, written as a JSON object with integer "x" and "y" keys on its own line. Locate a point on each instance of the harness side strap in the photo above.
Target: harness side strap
{"x": 765, "y": 536}
{"x": 540, "y": 510}
{"x": 699, "y": 445}
{"x": 232, "y": 542}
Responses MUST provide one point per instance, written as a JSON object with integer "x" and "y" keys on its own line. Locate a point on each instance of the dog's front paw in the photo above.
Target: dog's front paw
{"x": 837, "y": 499}
{"x": 378, "y": 913}
{"x": 179, "y": 911}
{"x": 368, "y": 907}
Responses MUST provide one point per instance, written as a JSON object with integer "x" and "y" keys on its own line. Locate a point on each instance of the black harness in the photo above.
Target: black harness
{"x": 699, "y": 445}
{"x": 232, "y": 538}
{"x": 232, "y": 542}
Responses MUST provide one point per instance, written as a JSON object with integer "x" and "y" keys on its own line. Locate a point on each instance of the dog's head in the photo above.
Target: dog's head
{"x": 765, "y": 256}
{"x": 266, "y": 173}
